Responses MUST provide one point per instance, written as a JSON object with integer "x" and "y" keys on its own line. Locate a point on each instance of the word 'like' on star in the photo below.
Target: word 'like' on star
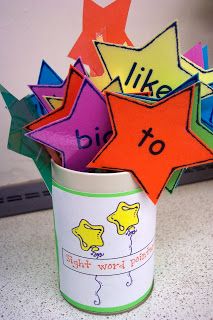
{"x": 141, "y": 69}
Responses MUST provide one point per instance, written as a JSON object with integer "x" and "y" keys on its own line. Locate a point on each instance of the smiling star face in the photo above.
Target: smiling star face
{"x": 125, "y": 216}
{"x": 90, "y": 236}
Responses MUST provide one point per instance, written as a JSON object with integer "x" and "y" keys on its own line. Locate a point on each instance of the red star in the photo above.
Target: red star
{"x": 107, "y": 24}
{"x": 151, "y": 141}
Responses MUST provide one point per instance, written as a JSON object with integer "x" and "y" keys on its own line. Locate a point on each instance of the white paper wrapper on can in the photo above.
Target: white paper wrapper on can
{"x": 105, "y": 232}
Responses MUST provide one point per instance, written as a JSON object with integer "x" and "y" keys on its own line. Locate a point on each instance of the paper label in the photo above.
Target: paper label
{"x": 105, "y": 246}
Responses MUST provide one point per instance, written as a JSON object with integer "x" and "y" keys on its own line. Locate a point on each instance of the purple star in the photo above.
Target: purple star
{"x": 42, "y": 91}
{"x": 80, "y": 135}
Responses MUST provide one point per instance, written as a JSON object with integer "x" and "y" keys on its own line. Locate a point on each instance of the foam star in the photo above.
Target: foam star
{"x": 76, "y": 138}
{"x": 102, "y": 81}
{"x": 107, "y": 24}
{"x": 195, "y": 54}
{"x": 114, "y": 86}
{"x": 207, "y": 111}
{"x": 125, "y": 216}
{"x": 55, "y": 102}
{"x": 157, "y": 142}
{"x": 197, "y": 125}
{"x": 74, "y": 79}
{"x": 90, "y": 236}
{"x": 206, "y": 76}
{"x": 22, "y": 111}
{"x": 47, "y": 76}
{"x": 205, "y": 57}
{"x": 41, "y": 91}
{"x": 141, "y": 69}
{"x": 173, "y": 180}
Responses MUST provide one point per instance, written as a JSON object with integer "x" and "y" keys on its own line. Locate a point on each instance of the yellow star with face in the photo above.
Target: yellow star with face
{"x": 155, "y": 67}
{"x": 206, "y": 76}
{"x": 54, "y": 102}
{"x": 90, "y": 236}
{"x": 125, "y": 216}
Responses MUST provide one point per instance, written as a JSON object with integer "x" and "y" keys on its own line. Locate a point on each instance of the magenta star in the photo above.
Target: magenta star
{"x": 80, "y": 135}
{"x": 42, "y": 91}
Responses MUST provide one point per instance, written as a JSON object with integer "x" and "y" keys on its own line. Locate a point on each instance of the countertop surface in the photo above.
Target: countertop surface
{"x": 183, "y": 264}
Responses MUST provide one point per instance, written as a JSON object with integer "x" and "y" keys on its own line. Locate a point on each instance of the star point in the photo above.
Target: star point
{"x": 73, "y": 136}
{"x": 155, "y": 67}
{"x": 151, "y": 148}
{"x": 108, "y": 23}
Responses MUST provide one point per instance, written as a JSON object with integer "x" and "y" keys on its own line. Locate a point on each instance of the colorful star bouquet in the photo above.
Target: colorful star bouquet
{"x": 118, "y": 130}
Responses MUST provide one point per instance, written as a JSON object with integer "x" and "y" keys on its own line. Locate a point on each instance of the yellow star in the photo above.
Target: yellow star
{"x": 102, "y": 81}
{"x": 90, "y": 236}
{"x": 54, "y": 102}
{"x": 154, "y": 67}
{"x": 206, "y": 76}
{"x": 125, "y": 216}
{"x": 114, "y": 86}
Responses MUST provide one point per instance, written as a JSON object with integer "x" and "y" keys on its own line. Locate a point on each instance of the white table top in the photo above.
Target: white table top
{"x": 183, "y": 269}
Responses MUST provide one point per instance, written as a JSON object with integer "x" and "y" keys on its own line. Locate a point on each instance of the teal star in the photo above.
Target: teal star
{"x": 22, "y": 112}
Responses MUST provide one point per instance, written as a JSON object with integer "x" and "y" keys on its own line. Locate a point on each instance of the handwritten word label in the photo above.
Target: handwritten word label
{"x": 156, "y": 147}
{"x": 106, "y": 267}
{"x": 85, "y": 141}
{"x": 136, "y": 77}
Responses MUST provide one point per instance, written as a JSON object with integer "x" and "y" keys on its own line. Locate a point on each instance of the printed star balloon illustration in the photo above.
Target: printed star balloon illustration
{"x": 151, "y": 149}
{"x": 140, "y": 69}
{"x": 108, "y": 24}
{"x": 90, "y": 236}
{"x": 125, "y": 217}
{"x": 74, "y": 137}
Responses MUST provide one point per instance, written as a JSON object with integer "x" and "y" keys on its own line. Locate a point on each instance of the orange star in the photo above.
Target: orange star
{"x": 151, "y": 141}
{"x": 107, "y": 24}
